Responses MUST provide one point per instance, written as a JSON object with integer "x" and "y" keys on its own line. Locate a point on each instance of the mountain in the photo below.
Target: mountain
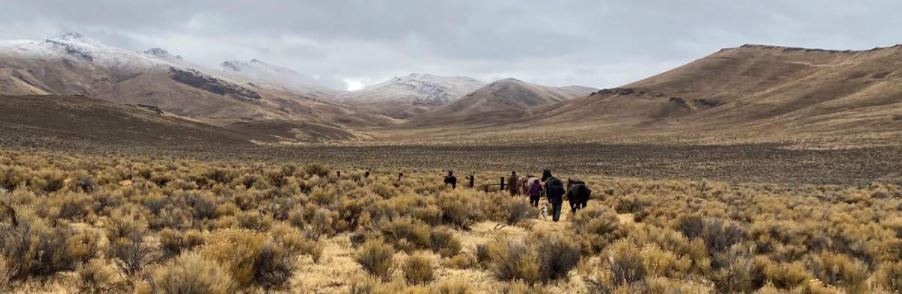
{"x": 404, "y": 97}
{"x": 753, "y": 93}
{"x": 500, "y": 102}
{"x": 73, "y": 64}
{"x": 271, "y": 76}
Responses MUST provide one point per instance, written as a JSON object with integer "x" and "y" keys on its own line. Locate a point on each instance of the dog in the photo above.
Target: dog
{"x": 544, "y": 211}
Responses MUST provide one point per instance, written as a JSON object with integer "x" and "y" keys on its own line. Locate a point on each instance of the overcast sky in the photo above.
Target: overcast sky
{"x": 352, "y": 43}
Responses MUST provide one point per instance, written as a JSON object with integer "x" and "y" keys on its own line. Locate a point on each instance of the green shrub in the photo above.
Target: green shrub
{"x": 460, "y": 261}
{"x": 34, "y": 250}
{"x": 294, "y": 241}
{"x": 417, "y": 269}
{"x": 191, "y": 273}
{"x": 692, "y": 226}
{"x": 840, "y": 271}
{"x": 317, "y": 170}
{"x": 444, "y": 242}
{"x": 784, "y": 275}
{"x": 889, "y": 276}
{"x": 97, "y": 276}
{"x": 625, "y": 263}
{"x": 452, "y": 287}
{"x": 376, "y": 258}
{"x": 599, "y": 225}
{"x": 515, "y": 261}
{"x": 557, "y": 255}
{"x": 254, "y": 220}
{"x": 720, "y": 235}
{"x": 174, "y": 242}
{"x": 459, "y": 208}
{"x": 406, "y": 234}
{"x": 743, "y": 274}
{"x": 518, "y": 209}
{"x": 251, "y": 258}
{"x": 132, "y": 253}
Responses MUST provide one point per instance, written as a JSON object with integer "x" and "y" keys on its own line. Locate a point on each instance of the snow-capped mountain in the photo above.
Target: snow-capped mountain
{"x": 404, "y": 97}
{"x": 271, "y": 76}
{"x": 75, "y": 46}
{"x": 417, "y": 89}
{"x": 73, "y": 64}
{"x": 500, "y": 102}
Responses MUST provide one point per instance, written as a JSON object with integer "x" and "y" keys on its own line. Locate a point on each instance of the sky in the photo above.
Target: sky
{"x": 351, "y": 44}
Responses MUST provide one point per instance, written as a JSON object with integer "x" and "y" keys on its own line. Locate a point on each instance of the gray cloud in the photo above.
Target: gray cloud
{"x": 593, "y": 43}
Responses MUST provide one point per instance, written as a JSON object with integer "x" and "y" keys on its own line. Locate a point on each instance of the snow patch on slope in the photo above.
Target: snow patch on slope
{"x": 417, "y": 89}
{"x": 271, "y": 76}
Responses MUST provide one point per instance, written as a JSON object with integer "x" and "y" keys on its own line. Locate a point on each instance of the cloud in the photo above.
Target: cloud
{"x": 593, "y": 43}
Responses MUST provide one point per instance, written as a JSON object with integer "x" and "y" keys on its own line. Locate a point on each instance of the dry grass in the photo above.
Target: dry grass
{"x": 131, "y": 224}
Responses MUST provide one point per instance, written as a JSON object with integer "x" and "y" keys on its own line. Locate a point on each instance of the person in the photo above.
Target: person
{"x": 450, "y": 179}
{"x": 554, "y": 189}
{"x": 578, "y": 194}
{"x": 512, "y": 183}
{"x": 535, "y": 192}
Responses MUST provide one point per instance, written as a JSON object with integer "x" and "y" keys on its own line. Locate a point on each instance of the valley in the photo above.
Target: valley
{"x": 755, "y": 169}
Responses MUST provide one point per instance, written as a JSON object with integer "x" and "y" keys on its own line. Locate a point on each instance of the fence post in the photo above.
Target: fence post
{"x": 471, "y": 179}
{"x": 502, "y": 183}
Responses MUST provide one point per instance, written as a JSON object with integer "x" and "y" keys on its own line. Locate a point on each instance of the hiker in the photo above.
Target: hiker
{"x": 535, "y": 192}
{"x": 578, "y": 194}
{"x": 512, "y": 183}
{"x": 450, "y": 179}
{"x": 554, "y": 189}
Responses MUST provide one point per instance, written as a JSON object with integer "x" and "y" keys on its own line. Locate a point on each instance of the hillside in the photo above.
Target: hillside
{"x": 749, "y": 94}
{"x": 404, "y": 97}
{"x": 262, "y": 74}
{"x": 73, "y": 64}
{"x": 42, "y": 121}
{"x": 757, "y": 92}
{"x": 500, "y": 102}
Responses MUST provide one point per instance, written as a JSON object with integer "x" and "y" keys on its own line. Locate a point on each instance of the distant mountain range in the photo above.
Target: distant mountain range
{"x": 749, "y": 94}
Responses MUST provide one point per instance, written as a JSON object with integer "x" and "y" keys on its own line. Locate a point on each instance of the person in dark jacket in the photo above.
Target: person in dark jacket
{"x": 578, "y": 194}
{"x": 450, "y": 179}
{"x": 512, "y": 183}
{"x": 535, "y": 193}
{"x": 554, "y": 189}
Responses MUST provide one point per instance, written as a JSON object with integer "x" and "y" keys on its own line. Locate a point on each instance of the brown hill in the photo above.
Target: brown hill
{"x": 749, "y": 94}
{"x": 498, "y": 103}
{"x": 756, "y": 93}
{"x": 74, "y": 65}
{"x": 73, "y": 120}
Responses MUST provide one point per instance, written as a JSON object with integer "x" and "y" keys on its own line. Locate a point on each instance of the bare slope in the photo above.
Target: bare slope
{"x": 74, "y": 120}
{"x": 757, "y": 92}
{"x": 749, "y": 94}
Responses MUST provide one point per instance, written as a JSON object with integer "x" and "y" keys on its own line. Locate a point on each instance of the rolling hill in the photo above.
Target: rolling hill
{"x": 41, "y": 121}
{"x": 499, "y": 102}
{"x": 749, "y": 94}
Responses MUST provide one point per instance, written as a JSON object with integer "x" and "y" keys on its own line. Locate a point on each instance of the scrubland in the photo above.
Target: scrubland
{"x": 101, "y": 224}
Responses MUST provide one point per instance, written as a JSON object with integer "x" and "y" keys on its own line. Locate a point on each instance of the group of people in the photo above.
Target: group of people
{"x": 576, "y": 191}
